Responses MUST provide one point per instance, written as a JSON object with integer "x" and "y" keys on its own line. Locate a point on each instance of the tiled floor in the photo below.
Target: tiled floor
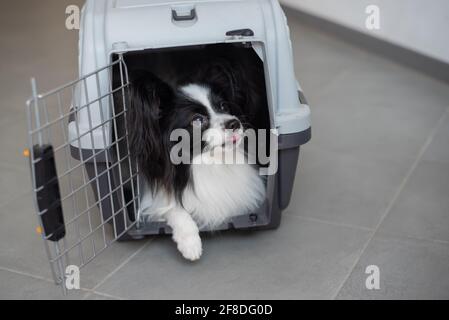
{"x": 372, "y": 186}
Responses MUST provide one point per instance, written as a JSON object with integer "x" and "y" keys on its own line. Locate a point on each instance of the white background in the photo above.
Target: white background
{"x": 419, "y": 25}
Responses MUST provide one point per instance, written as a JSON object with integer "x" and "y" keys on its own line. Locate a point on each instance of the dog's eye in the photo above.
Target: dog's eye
{"x": 199, "y": 120}
{"x": 224, "y": 106}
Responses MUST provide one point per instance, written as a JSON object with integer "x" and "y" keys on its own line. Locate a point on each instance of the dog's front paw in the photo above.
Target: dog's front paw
{"x": 190, "y": 247}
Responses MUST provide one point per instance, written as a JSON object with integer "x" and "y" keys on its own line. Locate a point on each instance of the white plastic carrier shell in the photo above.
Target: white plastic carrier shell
{"x": 120, "y": 26}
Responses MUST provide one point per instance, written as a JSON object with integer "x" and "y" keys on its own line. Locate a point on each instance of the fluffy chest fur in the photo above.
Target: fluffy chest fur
{"x": 221, "y": 191}
{"x": 218, "y": 192}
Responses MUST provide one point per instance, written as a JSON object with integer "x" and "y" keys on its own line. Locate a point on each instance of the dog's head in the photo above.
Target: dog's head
{"x": 208, "y": 105}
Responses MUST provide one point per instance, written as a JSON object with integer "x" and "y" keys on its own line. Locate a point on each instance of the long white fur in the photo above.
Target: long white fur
{"x": 222, "y": 191}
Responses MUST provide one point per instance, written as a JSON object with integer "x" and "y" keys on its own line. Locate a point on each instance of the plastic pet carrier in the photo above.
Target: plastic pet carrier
{"x": 86, "y": 185}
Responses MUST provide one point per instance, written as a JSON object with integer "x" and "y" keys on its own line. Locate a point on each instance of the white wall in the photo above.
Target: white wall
{"x": 419, "y": 25}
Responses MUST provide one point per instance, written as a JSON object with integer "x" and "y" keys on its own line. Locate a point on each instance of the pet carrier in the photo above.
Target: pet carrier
{"x": 86, "y": 185}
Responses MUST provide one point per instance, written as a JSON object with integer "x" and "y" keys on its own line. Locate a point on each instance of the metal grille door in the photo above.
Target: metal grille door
{"x": 86, "y": 186}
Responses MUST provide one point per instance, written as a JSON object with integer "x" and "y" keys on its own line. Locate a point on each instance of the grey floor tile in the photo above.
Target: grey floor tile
{"x": 377, "y": 115}
{"x": 13, "y": 140}
{"x": 14, "y": 286}
{"x": 14, "y": 183}
{"x": 319, "y": 59}
{"x": 23, "y": 250}
{"x": 39, "y": 45}
{"x": 409, "y": 269}
{"x": 370, "y": 118}
{"x": 301, "y": 259}
{"x": 422, "y": 209}
{"x": 44, "y": 48}
{"x": 323, "y": 61}
{"x": 362, "y": 103}
{"x": 342, "y": 188}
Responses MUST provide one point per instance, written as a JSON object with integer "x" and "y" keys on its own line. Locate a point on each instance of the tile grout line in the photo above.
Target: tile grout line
{"x": 106, "y": 295}
{"x": 120, "y": 266}
{"x": 332, "y": 223}
{"x": 436, "y": 241}
{"x": 395, "y": 197}
{"x": 41, "y": 278}
{"x": 26, "y": 274}
{"x": 355, "y": 227}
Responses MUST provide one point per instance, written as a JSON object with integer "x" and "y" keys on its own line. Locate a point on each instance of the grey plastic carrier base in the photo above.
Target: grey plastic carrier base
{"x": 279, "y": 189}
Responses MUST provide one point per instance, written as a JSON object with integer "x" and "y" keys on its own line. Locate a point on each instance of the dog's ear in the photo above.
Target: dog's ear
{"x": 224, "y": 77}
{"x": 233, "y": 82}
{"x": 148, "y": 96}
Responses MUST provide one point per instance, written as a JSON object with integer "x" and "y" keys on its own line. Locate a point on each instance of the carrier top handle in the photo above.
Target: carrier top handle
{"x": 183, "y": 16}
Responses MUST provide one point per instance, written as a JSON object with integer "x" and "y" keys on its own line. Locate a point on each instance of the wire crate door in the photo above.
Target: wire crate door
{"x": 85, "y": 183}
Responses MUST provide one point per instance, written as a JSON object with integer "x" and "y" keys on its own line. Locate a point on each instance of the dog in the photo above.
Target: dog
{"x": 219, "y": 100}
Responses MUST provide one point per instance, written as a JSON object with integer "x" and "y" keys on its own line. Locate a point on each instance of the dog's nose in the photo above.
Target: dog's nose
{"x": 233, "y": 124}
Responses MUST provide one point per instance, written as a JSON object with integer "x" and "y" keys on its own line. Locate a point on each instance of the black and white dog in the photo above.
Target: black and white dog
{"x": 218, "y": 98}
